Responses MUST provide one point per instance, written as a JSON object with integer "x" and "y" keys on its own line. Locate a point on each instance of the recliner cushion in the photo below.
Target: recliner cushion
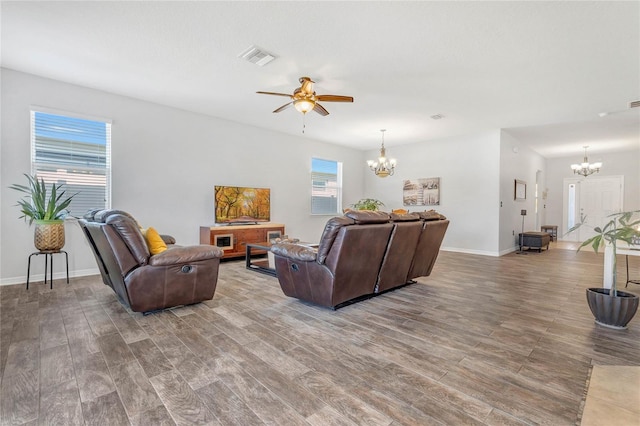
{"x": 331, "y": 229}
{"x": 404, "y": 217}
{"x": 102, "y": 215}
{"x": 367, "y": 216}
{"x": 431, "y": 215}
{"x": 131, "y": 235}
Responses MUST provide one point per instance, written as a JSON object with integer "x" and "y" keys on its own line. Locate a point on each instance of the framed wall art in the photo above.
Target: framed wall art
{"x": 421, "y": 192}
{"x": 520, "y": 190}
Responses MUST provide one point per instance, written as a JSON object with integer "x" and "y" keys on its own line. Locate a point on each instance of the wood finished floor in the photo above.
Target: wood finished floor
{"x": 483, "y": 340}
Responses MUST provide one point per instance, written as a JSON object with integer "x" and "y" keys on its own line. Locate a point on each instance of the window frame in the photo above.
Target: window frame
{"x": 338, "y": 188}
{"x": 37, "y": 165}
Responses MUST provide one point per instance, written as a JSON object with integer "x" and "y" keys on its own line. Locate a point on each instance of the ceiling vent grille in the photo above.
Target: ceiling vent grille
{"x": 634, "y": 104}
{"x": 257, "y": 56}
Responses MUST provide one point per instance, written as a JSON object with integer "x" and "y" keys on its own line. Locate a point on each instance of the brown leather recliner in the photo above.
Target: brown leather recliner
{"x": 177, "y": 276}
{"x": 360, "y": 254}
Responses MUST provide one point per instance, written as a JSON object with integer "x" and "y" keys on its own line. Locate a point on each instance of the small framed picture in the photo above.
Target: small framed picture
{"x": 520, "y": 190}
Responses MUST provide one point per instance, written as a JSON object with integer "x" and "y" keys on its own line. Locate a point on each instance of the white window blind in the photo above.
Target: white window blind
{"x": 326, "y": 186}
{"x": 75, "y": 152}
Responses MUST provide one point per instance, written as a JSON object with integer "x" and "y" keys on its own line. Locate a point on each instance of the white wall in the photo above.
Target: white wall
{"x": 626, "y": 164}
{"x": 165, "y": 164}
{"x": 517, "y": 161}
{"x": 469, "y": 171}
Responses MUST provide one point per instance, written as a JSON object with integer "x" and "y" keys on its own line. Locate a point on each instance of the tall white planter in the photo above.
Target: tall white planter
{"x": 607, "y": 279}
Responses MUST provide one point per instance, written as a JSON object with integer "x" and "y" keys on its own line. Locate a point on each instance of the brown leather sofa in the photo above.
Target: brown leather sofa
{"x": 177, "y": 276}
{"x": 361, "y": 254}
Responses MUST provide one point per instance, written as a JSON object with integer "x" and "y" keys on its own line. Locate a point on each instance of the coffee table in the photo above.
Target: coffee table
{"x": 262, "y": 265}
{"x": 259, "y": 265}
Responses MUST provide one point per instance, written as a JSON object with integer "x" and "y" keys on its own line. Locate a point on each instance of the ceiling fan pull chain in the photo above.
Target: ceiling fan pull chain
{"x": 303, "y": 123}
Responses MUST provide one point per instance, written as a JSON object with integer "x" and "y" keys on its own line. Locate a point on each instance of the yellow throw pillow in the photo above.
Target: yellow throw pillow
{"x": 154, "y": 241}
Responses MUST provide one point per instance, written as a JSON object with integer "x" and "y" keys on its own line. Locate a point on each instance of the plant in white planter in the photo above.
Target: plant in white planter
{"x": 47, "y": 209}
{"x": 611, "y": 307}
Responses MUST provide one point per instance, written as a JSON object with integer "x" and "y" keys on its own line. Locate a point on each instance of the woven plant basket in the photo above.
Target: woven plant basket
{"x": 49, "y": 235}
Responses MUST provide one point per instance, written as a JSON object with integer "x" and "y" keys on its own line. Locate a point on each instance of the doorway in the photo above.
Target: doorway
{"x": 594, "y": 198}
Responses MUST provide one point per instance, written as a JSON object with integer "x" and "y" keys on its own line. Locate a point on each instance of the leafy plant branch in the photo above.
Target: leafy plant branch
{"x": 368, "y": 204}
{"x": 620, "y": 227}
{"x": 39, "y": 204}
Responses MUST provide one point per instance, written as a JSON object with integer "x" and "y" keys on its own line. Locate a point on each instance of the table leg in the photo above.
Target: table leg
{"x": 66, "y": 255}
{"x": 46, "y": 258}
{"x": 50, "y": 272}
{"x": 29, "y": 269}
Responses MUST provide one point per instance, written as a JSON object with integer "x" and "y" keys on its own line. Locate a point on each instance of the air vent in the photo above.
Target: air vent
{"x": 634, "y": 104}
{"x": 257, "y": 56}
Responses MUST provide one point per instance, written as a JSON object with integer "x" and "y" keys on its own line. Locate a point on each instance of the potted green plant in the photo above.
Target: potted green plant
{"x": 612, "y": 307}
{"x": 368, "y": 204}
{"x": 47, "y": 209}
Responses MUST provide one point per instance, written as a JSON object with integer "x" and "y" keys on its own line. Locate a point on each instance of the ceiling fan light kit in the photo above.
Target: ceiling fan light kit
{"x": 383, "y": 167}
{"x": 585, "y": 168}
{"x": 304, "y": 98}
{"x": 304, "y": 105}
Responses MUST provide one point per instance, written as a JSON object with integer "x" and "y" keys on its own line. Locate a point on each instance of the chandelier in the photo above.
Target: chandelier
{"x": 383, "y": 167}
{"x": 584, "y": 168}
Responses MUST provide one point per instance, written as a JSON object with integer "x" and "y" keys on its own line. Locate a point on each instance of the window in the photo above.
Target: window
{"x": 571, "y": 206}
{"x": 326, "y": 186}
{"x": 75, "y": 152}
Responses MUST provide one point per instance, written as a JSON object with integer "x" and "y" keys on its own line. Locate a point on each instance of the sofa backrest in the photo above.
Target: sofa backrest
{"x": 428, "y": 247}
{"x": 352, "y": 248}
{"x": 118, "y": 246}
{"x": 331, "y": 229}
{"x": 400, "y": 251}
{"x": 355, "y": 258}
{"x": 106, "y": 259}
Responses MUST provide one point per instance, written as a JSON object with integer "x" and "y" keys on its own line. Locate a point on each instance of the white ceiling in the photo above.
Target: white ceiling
{"x": 541, "y": 70}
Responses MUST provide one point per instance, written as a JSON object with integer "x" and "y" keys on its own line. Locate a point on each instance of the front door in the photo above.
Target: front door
{"x": 594, "y": 198}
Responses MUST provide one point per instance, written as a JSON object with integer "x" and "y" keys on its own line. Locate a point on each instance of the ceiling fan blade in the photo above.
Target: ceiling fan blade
{"x": 320, "y": 109}
{"x": 274, "y": 93}
{"x": 283, "y": 107}
{"x": 334, "y": 98}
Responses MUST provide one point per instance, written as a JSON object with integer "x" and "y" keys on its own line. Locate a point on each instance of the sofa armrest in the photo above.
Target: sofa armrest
{"x": 295, "y": 252}
{"x": 168, "y": 239}
{"x": 182, "y": 255}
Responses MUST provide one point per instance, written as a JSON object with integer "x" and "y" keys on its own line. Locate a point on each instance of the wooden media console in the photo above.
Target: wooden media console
{"x": 233, "y": 239}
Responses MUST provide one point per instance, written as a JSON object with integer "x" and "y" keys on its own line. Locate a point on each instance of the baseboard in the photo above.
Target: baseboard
{"x": 56, "y": 276}
{"x": 470, "y": 251}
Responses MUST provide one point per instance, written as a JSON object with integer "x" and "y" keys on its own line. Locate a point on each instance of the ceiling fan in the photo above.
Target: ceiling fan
{"x": 304, "y": 98}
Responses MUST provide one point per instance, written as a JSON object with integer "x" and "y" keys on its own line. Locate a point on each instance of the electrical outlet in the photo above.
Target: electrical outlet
{"x": 513, "y": 232}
